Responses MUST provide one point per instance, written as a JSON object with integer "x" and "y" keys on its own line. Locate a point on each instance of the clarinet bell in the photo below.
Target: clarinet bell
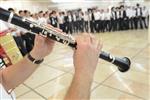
{"x": 123, "y": 64}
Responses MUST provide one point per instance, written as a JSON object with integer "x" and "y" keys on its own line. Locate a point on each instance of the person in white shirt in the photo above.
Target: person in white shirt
{"x": 107, "y": 22}
{"x": 91, "y": 19}
{"x": 75, "y": 23}
{"x": 86, "y": 22}
{"x": 138, "y": 17}
{"x": 145, "y": 17}
{"x": 129, "y": 14}
{"x": 97, "y": 20}
{"x": 81, "y": 21}
{"x": 61, "y": 21}
{"x": 113, "y": 19}
{"x": 102, "y": 21}
{"x": 117, "y": 18}
{"x": 41, "y": 19}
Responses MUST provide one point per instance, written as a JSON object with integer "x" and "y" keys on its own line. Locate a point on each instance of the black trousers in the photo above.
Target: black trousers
{"x": 137, "y": 22}
{"x": 92, "y": 26}
{"x": 86, "y": 26}
{"x": 62, "y": 27}
{"x": 81, "y": 25}
{"x": 144, "y": 22}
{"x": 112, "y": 25}
{"x": 20, "y": 43}
{"x": 96, "y": 25}
{"x": 75, "y": 26}
{"x": 107, "y": 25}
{"x": 69, "y": 28}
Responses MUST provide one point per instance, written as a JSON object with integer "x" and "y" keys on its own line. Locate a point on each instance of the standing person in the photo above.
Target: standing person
{"x": 118, "y": 22}
{"x": 97, "y": 20}
{"x": 86, "y": 22}
{"x": 134, "y": 17}
{"x": 129, "y": 17}
{"x": 53, "y": 19}
{"x": 102, "y": 21}
{"x": 138, "y": 16}
{"x": 123, "y": 19}
{"x": 42, "y": 18}
{"x": 113, "y": 19}
{"x": 61, "y": 21}
{"x": 81, "y": 21}
{"x": 68, "y": 21}
{"x": 145, "y": 17}
{"x": 75, "y": 23}
{"x": 107, "y": 23}
{"x": 92, "y": 20}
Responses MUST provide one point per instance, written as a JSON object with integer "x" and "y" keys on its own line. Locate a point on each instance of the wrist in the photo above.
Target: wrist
{"x": 84, "y": 75}
{"x": 33, "y": 60}
{"x": 36, "y": 55}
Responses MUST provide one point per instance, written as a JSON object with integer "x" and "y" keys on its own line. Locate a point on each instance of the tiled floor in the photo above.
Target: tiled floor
{"x": 52, "y": 79}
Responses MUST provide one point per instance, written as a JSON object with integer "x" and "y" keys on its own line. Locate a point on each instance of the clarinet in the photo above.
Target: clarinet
{"x": 123, "y": 63}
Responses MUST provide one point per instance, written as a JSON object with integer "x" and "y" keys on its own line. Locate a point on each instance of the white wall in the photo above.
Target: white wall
{"x": 37, "y": 5}
{"x": 33, "y": 6}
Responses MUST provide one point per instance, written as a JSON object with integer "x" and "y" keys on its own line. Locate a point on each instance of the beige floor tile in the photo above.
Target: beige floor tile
{"x": 130, "y": 84}
{"x": 124, "y": 52}
{"x": 103, "y": 71}
{"x": 135, "y": 76}
{"x": 145, "y": 53}
{"x": 57, "y": 88}
{"x": 21, "y": 89}
{"x": 140, "y": 64}
{"x": 42, "y": 75}
{"x": 30, "y": 96}
{"x": 64, "y": 64}
{"x": 106, "y": 93}
{"x": 133, "y": 44}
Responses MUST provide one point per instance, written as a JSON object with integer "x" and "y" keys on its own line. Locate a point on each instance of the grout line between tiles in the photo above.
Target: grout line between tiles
{"x": 47, "y": 81}
{"x": 36, "y": 92}
{"x": 103, "y": 81}
{"x": 57, "y": 68}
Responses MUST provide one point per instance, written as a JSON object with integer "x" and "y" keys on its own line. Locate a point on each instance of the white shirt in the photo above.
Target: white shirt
{"x": 129, "y": 12}
{"x": 133, "y": 13}
{"x": 138, "y": 12}
{"x": 97, "y": 15}
{"x": 42, "y": 20}
{"x": 117, "y": 13}
{"x": 70, "y": 18}
{"x": 107, "y": 15}
{"x": 4, "y": 95}
{"x": 86, "y": 17}
{"x": 145, "y": 13}
{"x": 102, "y": 16}
{"x": 74, "y": 17}
{"x": 61, "y": 19}
{"x": 113, "y": 15}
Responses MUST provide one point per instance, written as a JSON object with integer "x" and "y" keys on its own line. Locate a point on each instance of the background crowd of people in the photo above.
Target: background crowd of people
{"x": 93, "y": 20}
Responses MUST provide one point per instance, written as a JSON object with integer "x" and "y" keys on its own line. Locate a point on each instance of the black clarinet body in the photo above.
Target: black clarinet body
{"x": 123, "y": 64}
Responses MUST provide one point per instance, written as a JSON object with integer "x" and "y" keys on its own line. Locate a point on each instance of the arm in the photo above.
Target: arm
{"x": 16, "y": 74}
{"x": 85, "y": 60}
